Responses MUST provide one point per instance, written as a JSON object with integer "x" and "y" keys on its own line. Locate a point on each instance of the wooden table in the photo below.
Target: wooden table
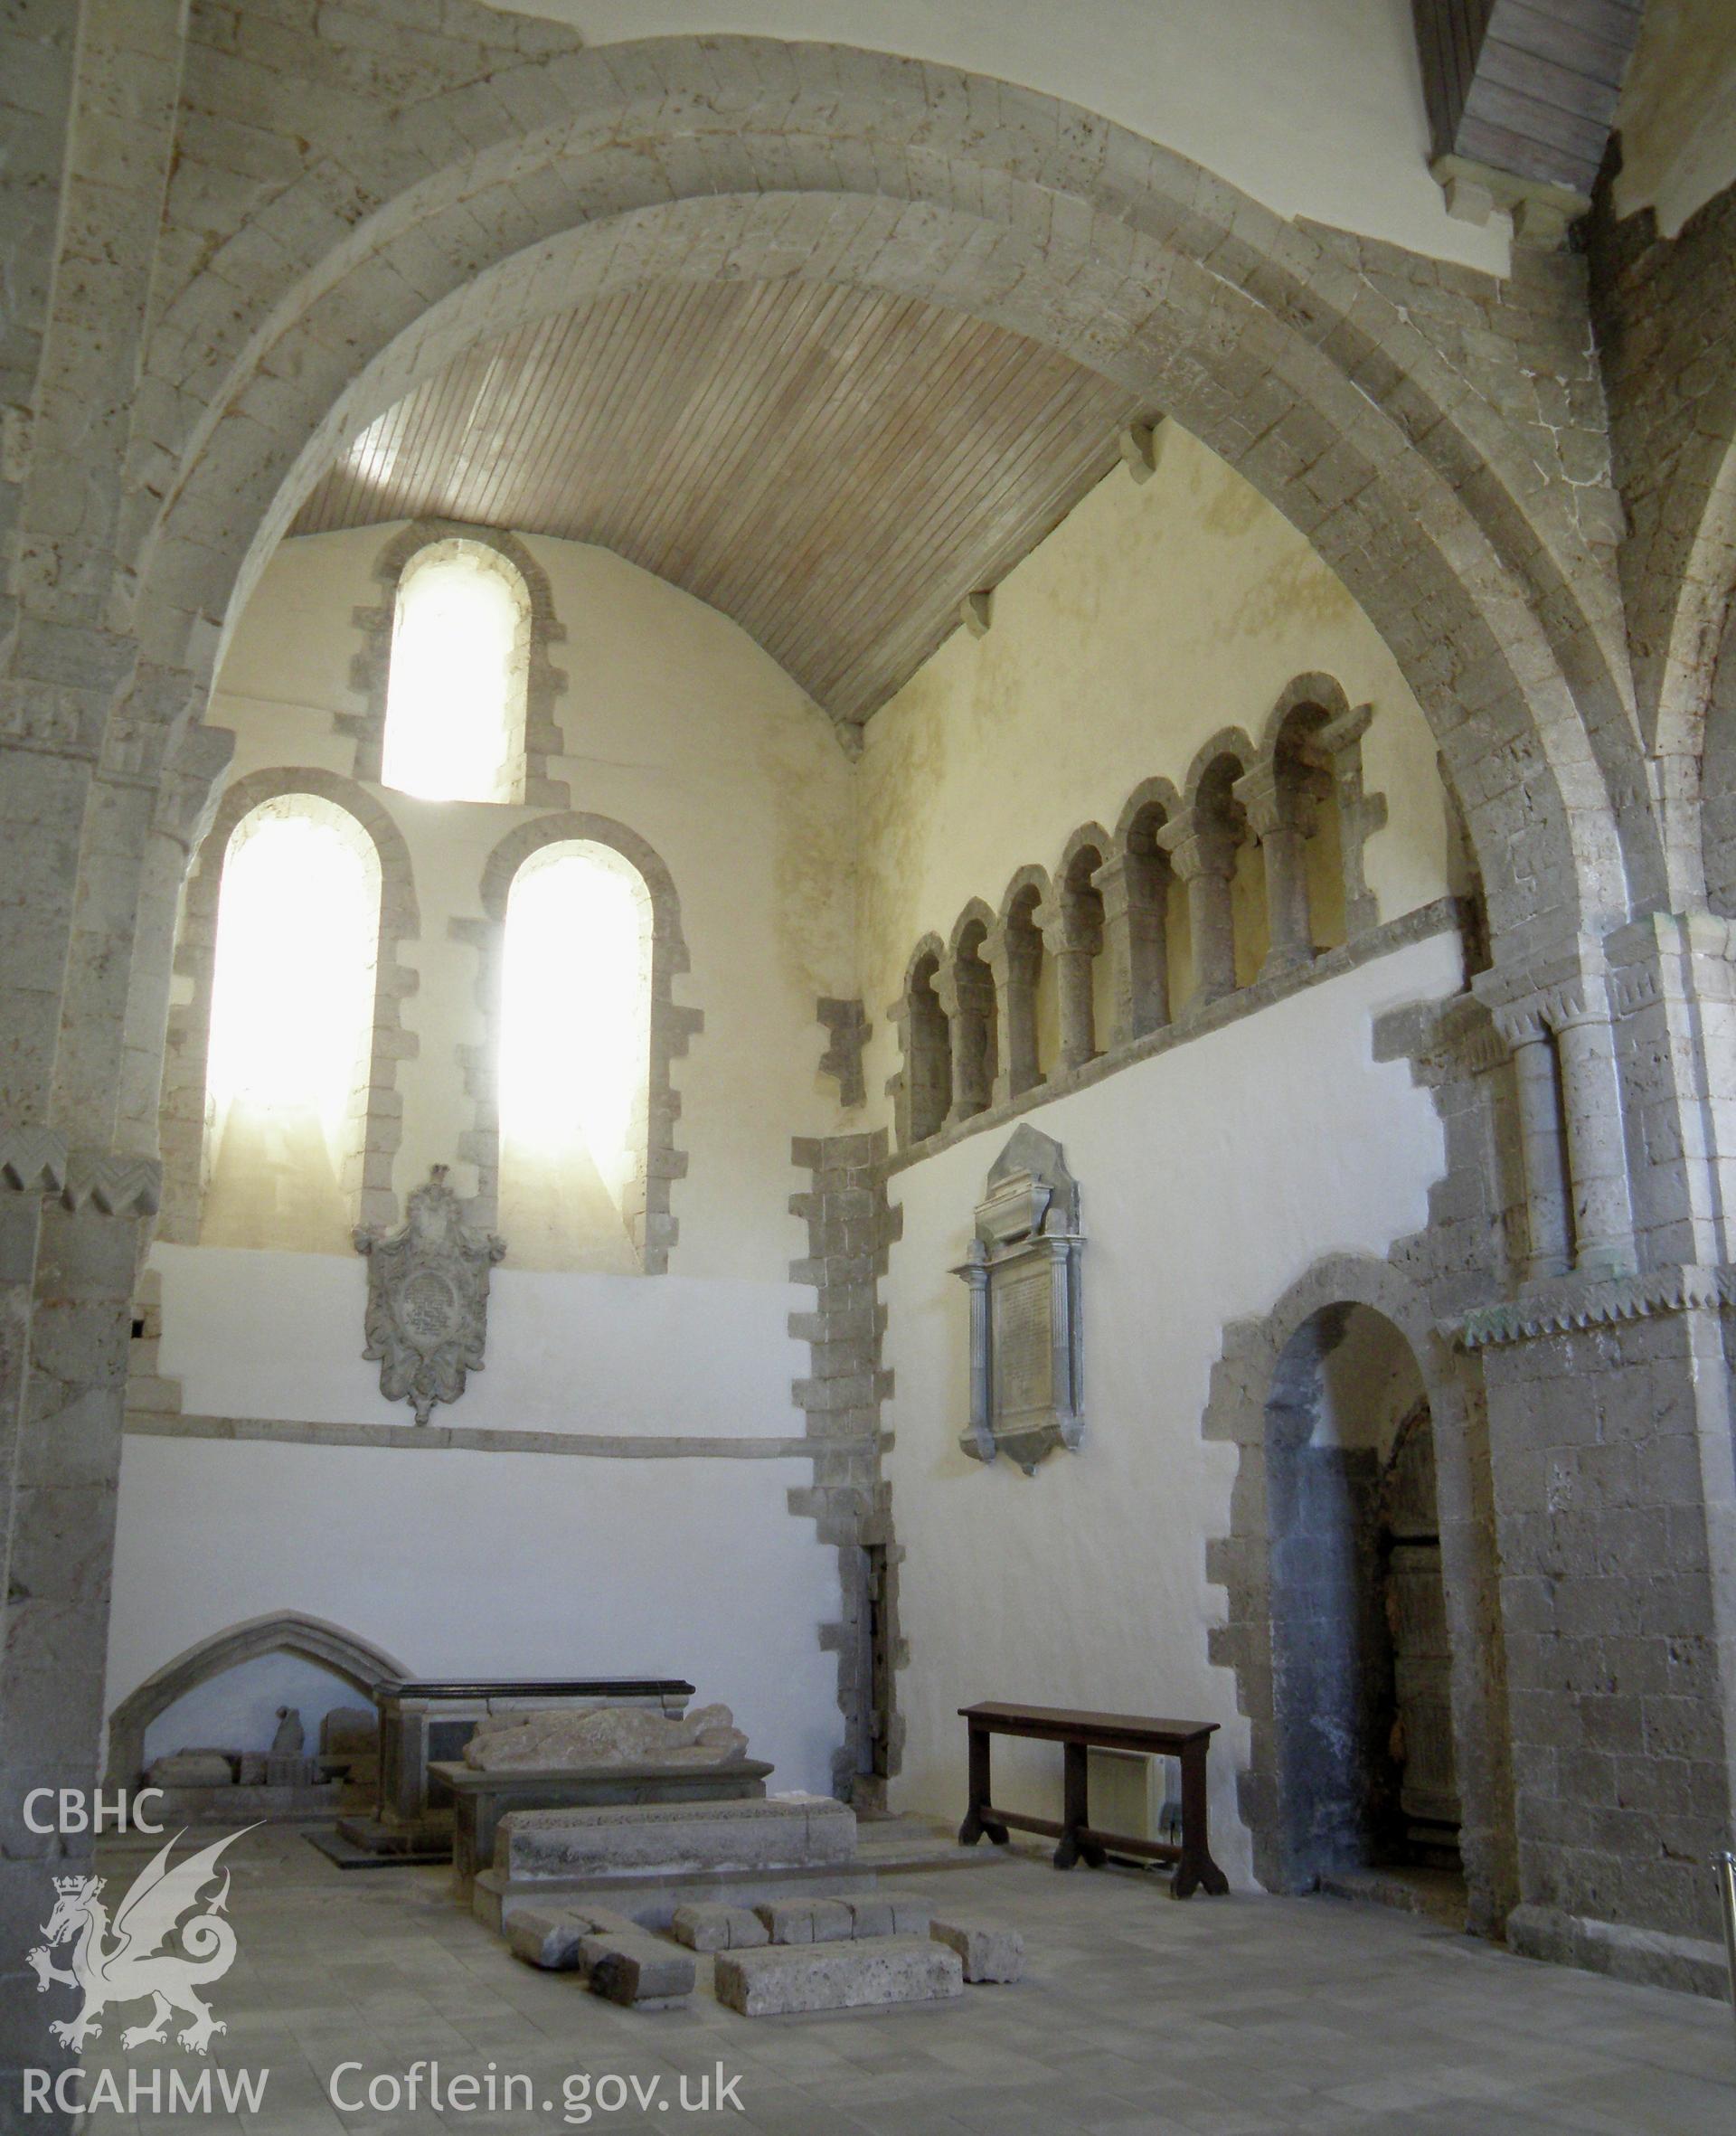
{"x": 1079, "y": 1733}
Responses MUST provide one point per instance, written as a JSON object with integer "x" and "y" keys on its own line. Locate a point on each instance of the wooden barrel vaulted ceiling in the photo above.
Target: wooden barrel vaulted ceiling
{"x": 834, "y": 470}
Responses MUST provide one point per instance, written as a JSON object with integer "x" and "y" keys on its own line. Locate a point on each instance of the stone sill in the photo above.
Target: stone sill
{"x": 1443, "y": 916}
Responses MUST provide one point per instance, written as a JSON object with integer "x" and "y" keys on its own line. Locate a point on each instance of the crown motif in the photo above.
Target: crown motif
{"x": 72, "y": 1885}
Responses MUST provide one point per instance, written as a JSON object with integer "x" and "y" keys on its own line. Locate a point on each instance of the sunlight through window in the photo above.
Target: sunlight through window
{"x": 291, "y": 1025}
{"x": 457, "y": 648}
{"x": 575, "y": 1053}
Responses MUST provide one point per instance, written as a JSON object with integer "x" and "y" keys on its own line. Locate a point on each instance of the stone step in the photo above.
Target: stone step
{"x": 885, "y": 1972}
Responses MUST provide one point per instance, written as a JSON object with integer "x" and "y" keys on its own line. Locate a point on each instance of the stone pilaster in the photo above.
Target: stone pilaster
{"x": 1542, "y": 1143}
{"x": 849, "y": 1229}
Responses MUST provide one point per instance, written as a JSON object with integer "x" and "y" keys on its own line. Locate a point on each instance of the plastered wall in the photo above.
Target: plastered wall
{"x": 677, "y": 725}
{"x": 1211, "y": 1176}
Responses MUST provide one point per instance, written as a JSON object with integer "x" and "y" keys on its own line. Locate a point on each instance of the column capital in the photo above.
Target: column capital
{"x": 1193, "y": 853}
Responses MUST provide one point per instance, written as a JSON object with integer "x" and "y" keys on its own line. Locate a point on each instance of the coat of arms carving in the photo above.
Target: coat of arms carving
{"x": 427, "y": 1298}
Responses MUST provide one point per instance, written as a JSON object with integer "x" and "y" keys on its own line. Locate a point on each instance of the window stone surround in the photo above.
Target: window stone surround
{"x": 188, "y": 1046}
{"x": 539, "y": 740}
{"x": 672, "y": 1025}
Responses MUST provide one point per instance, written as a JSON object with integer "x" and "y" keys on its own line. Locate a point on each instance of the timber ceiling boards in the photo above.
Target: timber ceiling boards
{"x": 834, "y": 470}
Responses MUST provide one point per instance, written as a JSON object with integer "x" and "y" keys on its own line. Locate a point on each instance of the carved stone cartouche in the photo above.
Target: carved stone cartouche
{"x": 427, "y": 1298}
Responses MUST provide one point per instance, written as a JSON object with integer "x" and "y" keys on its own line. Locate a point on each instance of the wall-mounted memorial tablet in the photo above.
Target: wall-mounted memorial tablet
{"x": 1021, "y": 1271}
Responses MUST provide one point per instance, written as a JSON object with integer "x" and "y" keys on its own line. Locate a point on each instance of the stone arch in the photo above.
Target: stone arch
{"x": 969, "y": 998}
{"x": 188, "y": 1048}
{"x": 1395, "y": 461}
{"x": 1015, "y": 956}
{"x": 921, "y": 1090}
{"x": 1245, "y": 1381}
{"x": 344, "y": 1653}
{"x": 653, "y": 1228}
{"x": 1320, "y": 693}
{"x": 538, "y": 738}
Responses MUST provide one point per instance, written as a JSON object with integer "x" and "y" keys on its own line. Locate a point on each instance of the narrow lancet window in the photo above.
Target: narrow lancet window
{"x": 292, "y": 1016}
{"x": 575, "y": 1061}
{"x": 454, "y": 693}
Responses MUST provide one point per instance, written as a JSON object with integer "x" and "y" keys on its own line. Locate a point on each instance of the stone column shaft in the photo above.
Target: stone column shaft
{"x": 1014, "y": 966}
{"x": 1603, "y": 1222}
{"x": 1542, "y": 1150}
{"x": 1205, "y": 864}
{"x": 1275, "y": 813}
{"x": 1136, "y": 943}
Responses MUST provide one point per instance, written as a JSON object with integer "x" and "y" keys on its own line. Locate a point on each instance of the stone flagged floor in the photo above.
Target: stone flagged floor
{"x": 1137, "y": 2016}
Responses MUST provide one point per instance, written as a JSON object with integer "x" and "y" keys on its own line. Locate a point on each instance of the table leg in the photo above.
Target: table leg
{"x": 1075, "y": 1813}
{"x": 1196, "y": 1867}
{"x": 975, "y": 1824}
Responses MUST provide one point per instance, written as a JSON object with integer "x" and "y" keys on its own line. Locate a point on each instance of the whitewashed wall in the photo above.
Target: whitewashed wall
{"x": 1212, "y": 1177}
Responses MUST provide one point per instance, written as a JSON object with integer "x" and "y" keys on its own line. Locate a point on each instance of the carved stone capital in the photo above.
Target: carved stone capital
{"x": 1193, "y": 853}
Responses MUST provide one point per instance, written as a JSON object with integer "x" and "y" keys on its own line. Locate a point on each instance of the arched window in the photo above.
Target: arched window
{"x": 925, "y": 1085}
{"x": 575, "y": 1060}
{"x": 456, "y": 687}
{"x": 292, "y": 1016}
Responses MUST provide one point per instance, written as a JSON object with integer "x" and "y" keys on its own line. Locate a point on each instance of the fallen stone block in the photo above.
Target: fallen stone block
{"x": 806, "y": 1920}
{"x": 550, "y": 1940}
{"x": 786, "y": 1978}
{"x": 987, "y": 1949}
{"x": 888, "y": 1913}
{"x": 637, "y": 1969}
{"x": 719, "y": 1928}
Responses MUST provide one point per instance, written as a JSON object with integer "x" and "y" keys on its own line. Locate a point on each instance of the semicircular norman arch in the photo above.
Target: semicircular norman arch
{"x": 1500, "y": 612}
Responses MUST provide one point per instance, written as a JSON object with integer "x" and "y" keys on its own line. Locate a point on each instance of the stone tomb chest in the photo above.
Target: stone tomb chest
{"x": 424, "y": 1722}
{"x": 1021, "y": 1271}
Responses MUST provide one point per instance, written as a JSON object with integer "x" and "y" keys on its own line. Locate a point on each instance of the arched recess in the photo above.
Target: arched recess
{"x": 1146, "y": 914}
{"x": 923, "y": 1088}
{"x": 1027, "y": 1014}
{"x": 345, "y": 1653}
{"x": 1255, "y": 1378}
{"x": 1075, "y": 941}
{"x": 654, "y": 1229}
{"x": 538, "y": 736}
{"x": 187, "y": 1053}
{"x": 1212, "y": 848}
{"x": 967, "y": 996}
{"x": 1394, "y": 457}
{"x": 1309, "y": 762}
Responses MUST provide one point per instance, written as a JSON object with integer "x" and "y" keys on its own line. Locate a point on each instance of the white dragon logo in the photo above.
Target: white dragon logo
{"x": 134, "y": 1965}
